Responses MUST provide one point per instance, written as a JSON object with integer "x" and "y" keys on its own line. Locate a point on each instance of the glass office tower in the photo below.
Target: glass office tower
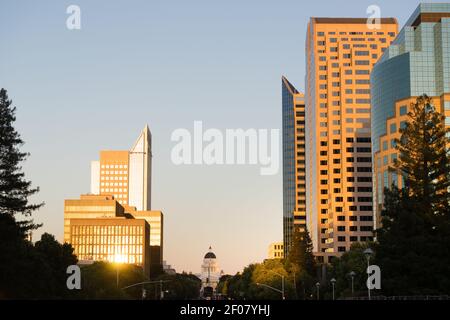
{"x": 294, "y": 184}
{"x": 417, "y": 62}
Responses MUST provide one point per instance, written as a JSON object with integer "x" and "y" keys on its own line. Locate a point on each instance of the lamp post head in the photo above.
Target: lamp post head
{"x": 368, "y": 252}
{"x": 317, "y": 284}
{"x": 333, "y": 280}
{"x": 352, "y": 274}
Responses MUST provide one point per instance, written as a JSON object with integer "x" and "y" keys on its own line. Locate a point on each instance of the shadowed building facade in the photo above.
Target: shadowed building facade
{"x": 155, "y": 219}
{"x": 340, "y": 54}
{"x": 417, "y": 62}
{"x": 294, "y": 184}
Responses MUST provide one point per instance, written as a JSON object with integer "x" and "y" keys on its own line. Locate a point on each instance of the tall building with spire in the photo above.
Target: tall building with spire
{"x": 115, "y": 222}
{"x": 126, "y": 174}
{"x": 294, "y": 167}
{"x": 340, "y": 54}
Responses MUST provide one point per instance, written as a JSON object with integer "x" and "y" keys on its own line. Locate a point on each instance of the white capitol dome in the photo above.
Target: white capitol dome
{"x": 210, "y": 274}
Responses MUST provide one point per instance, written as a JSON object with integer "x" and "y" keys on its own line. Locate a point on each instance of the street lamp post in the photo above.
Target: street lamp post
{"x": 144, "y": 291}
{"x": 117, "y": 276}
{"x": 118, "y": 260}
{"x": 282, "y": 283}
{"x": 272, "y": 288}
{"x": 368, "y": 252}
{"x": 333, "y": 281}
{"x": 352, "y": 275}
{"x": 318, "y": 288}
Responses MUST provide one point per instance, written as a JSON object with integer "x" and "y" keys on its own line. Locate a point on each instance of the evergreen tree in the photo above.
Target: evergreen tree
{"x": 414, "y": 239}
{"x": 14, "y": 188}
{"x": 301, "y": 262}
{"x": 424, "y": 160}
{"x": 19, "y": 260}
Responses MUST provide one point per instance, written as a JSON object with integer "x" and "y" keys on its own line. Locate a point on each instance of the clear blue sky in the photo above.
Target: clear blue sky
{"x": 165, "y": 63}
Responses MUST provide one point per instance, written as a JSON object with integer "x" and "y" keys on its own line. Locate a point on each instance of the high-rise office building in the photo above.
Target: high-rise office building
{"x": 340, "y": 53}
{"x": 114, "y": 222}
{"x": 126, "y": 174}
{"x": 99, "y": 229}
{"x": 294, "y": 184}
{"x": 417, "y": 62}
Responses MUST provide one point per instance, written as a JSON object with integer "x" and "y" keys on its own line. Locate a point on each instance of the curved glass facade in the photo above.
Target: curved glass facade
{"x": 390, "y": 81}
{"x": 417, "y": 62}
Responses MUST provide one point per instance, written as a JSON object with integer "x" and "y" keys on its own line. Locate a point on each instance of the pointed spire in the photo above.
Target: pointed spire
{"x": 289, "y": 85}
{"x": 144, "y": 138}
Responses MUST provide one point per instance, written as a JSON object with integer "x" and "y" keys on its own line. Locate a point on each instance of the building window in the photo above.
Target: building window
{"x": 403, "y": 110}
{"x": 447, "y": 121}
{"x": 393, "y": 143}
{"x": 393, "y": 157}
{"x": 393, "y": 127}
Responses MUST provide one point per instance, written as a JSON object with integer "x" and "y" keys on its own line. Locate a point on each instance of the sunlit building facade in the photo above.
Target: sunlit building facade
{"x": 340, "y": 54}
{"x": 100, "y": 229}
{"x": 90, "y": 207}
{"x": 294, "y": 184}
{"x": 117, "y": 240}
{"x": 276, "y": 251}
{"x": 417, "y": 62}
{"x": 125, "y": 174}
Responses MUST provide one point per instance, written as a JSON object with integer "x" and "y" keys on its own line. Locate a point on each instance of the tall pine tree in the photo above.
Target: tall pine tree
{"x": 424, "y": 160}
{"x": 301, "y": 262}
{"x": 414, "y": 241}
{"x": 14, "y": 188}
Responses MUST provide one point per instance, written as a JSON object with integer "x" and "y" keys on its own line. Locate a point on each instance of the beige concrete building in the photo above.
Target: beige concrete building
{"x": 276, "y": 251}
